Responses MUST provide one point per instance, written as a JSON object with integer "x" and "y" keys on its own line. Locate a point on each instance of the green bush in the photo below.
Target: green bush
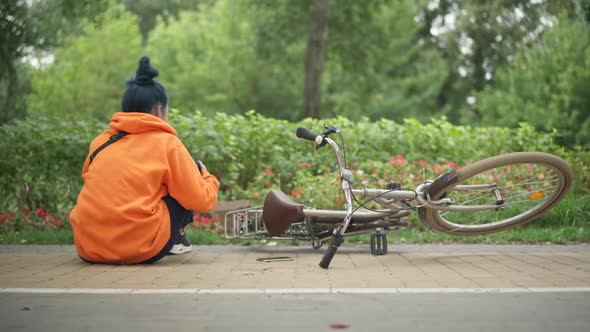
{"x": 252, "y": 154}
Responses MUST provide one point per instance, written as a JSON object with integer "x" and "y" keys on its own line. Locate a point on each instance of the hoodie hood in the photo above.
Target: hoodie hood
{"x": 136, "y": 123}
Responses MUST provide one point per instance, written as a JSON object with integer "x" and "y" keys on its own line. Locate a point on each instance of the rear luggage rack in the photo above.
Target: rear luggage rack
{"x": 244, "y": 223}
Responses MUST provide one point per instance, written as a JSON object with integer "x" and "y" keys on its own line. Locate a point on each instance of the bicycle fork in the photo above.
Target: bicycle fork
{"x": 338, "y": 233}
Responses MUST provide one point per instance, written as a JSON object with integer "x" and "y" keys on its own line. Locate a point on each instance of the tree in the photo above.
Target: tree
{"x": 374, "y": 64}
{"x": 383, "y": 70}
{"x": 30, "y": 29}
{"x": 478, "y": 37}
{"x": 148, "y": 12}
{"x": 86, "y": 81}
{"x": 208, "y": 62}
{"x": 546, "y": 85}
{"x": 314, "y": 61}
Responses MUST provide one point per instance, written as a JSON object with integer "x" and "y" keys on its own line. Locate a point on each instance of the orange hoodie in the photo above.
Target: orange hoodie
{"x": 120, "y": 217}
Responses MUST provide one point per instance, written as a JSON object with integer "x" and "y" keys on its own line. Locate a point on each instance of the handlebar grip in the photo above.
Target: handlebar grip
{"x": 306, "y": 134}
{"x": 336, "y": 242}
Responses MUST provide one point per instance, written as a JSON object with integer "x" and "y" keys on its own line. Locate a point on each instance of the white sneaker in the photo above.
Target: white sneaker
{"x": 182, "y": 245}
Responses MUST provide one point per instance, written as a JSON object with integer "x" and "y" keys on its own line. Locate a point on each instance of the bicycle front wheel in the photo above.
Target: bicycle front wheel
{"x": 522, "y": 186}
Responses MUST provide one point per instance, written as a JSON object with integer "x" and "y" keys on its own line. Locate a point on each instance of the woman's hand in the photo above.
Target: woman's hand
{"x": 201, "y": 166}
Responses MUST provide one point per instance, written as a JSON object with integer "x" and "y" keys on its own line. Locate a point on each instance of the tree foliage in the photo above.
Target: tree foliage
{"x": 31, "y": 29}
{"x": 478, "y": 37}
{"x": 547, "y": 85}
{"x": 209, "y": 63}
{"x": 87, "y": 79}
{"x": 382, "y": 58}
{"x": 148, "y": 12}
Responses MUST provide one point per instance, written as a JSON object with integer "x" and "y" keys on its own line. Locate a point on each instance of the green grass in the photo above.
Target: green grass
{"x": 525, "y": 235}
{"x": 66, "y": 236}
{"x": 36, "y": 236}
{"x": 204, "y": 237}
{"x": 528, "y": 235}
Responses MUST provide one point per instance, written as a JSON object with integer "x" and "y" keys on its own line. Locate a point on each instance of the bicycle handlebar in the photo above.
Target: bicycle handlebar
{"x": 306, "y": 134}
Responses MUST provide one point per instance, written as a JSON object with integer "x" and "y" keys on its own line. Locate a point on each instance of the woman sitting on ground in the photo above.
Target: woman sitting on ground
{"x": 140, "y": 183}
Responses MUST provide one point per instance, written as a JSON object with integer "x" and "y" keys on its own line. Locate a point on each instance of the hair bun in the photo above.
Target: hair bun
{"x": 145, "y": 72}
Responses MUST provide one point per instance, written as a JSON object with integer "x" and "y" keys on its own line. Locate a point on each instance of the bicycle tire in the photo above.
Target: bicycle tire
{"x": 551, "y": 190}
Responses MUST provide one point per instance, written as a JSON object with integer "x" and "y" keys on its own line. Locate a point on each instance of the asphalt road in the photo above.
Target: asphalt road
{"x": 500, "y": 312}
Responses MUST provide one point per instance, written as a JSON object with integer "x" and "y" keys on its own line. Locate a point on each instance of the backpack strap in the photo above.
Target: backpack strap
{"x": 111, "y": 140}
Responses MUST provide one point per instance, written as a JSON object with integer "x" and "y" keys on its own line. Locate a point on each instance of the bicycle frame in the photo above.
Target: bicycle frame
{"x": 391, "y": 197}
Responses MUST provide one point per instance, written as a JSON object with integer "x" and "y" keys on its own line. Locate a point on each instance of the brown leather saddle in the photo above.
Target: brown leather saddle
{"x": 279, "y": 212}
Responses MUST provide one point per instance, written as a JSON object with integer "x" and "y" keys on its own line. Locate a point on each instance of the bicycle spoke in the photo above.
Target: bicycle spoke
{"x": 518, "y": 194}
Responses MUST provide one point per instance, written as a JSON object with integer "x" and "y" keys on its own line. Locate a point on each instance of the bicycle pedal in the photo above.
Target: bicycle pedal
{"x": 379, "y": 243}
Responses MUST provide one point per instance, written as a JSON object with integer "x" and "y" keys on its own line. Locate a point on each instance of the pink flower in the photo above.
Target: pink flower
{"x": 398, "y": 160}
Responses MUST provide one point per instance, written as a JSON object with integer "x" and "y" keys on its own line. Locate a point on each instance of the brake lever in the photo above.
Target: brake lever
{"x": 330, "y": 130}
{"x": 326, "y": 133}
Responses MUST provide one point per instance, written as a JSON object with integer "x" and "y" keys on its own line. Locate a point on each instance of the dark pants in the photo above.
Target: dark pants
{"x": 179, "y": 218}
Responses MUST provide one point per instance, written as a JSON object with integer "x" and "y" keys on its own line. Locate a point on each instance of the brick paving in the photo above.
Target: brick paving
{"x": 237, "y": 267}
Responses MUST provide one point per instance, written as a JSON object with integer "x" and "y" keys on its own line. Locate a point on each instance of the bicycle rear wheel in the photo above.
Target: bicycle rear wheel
{"x": 523, "y": 186}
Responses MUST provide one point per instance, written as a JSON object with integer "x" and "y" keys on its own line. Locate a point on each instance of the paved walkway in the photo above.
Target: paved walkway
{"x": 231, "y": 268}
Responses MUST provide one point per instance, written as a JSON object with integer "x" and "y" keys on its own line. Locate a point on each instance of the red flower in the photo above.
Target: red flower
{"x": 268, "y": 185}
{"x": 255, "y": 196}
{"x": 26, "y": 211}
{"x": 451, "y": 164}
{"x": 55, "y": 221}
{"x": 306, "y": 165}
{"x": 398, "y": 160}
{"x": 268, "y": 171}
{"x": 200, "y": 219}
{"x": 11, "y": 215}
{"x": 423, "y": 162}
{"x": 293, "y": 193}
